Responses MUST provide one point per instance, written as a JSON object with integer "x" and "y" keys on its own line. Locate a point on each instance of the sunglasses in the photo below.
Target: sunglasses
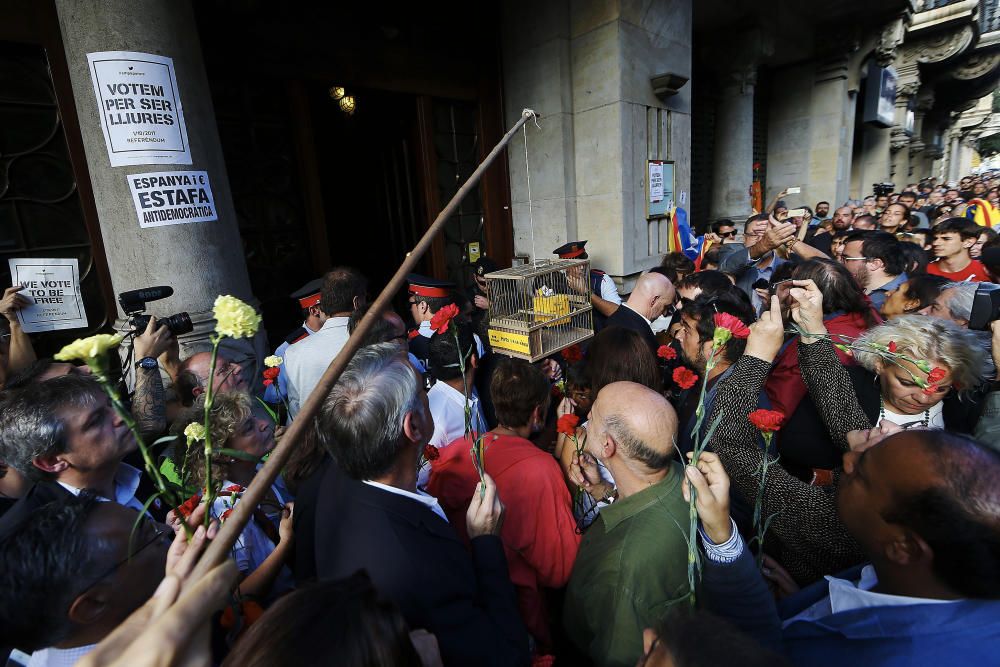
{"x": 728, "y": 235}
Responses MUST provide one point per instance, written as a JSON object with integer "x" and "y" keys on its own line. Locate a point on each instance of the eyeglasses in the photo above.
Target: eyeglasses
{"x": 856, "y": 259}
{"x": 157, "y": 534}
{"x": 4, "y": 337}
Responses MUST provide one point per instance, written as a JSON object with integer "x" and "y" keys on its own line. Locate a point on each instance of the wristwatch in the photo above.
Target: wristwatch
{"x": 148, "y": 363}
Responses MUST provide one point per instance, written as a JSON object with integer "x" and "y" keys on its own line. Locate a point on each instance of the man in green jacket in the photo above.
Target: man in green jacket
{"x": 632, "y": 563}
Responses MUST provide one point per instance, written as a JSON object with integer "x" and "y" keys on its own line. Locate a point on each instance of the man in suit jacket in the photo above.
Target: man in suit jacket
{"x": 370, "y": 515}
{"x": 923, "y": 506}
{"x": 652, "y": 296}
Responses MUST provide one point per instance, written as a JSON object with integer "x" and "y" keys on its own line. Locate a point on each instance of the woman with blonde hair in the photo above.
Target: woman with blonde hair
{"x": 265, "y": 544}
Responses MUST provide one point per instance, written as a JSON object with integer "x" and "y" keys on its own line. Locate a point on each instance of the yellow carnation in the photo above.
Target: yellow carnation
{"x": 273, "y": 361}
{"x": 88, "y": 349}
{"x": 234, "y": 318}
{"x": 194, "y": 432}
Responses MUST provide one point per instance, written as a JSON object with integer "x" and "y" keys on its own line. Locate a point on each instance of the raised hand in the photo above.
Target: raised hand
{"x": 807, "y": 308}
{"x": 711, "y": 482}
{"x": 485, "y": 514}
{"x": 767, "y": 334}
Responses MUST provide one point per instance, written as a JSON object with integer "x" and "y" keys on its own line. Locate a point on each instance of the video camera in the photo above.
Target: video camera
{"x": 134, "y": 304}
{"x": 883, "y": 189}
{"x": 985, "y": 307}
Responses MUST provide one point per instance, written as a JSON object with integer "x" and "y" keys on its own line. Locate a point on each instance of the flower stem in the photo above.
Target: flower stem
{"x": 209, "y": 494}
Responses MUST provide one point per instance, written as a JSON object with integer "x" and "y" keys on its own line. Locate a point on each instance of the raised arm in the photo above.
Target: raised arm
{"x": 21, "y": 354}
{"x": 806, "y": 519}
{"x": 827, "y": 380}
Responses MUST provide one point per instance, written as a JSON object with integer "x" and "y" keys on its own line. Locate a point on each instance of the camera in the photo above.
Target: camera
{"x": 985, "y": 307}
{"x": 134, "y": 304}
{"x": 883, "y": 189}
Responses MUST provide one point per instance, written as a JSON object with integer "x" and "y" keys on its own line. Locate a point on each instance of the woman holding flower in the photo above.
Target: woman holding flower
{"x": 912, "y": 371}
{"x": 243, "y": 440}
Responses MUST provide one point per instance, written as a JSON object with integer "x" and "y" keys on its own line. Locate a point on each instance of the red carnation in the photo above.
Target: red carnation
{"x": 666, "y": 352}
{"x": 936, "y": 375}
{"x": 225, "y": 515}
{"x": 567, "y": 424}
{"x": 189, "y": 505}
{"x": 766, "y": 421}
{"x": 412, "y": 334}
{"x": 892, "y": 346}
{"x": 431, "y": 453}
{"x": 572, "y": 354}
{"x": 733, "y": 323}
{"x": 684, "y": 377}
{"x": 272, "y": 373}
{"x": 234, "y": 488}
{"x": 442, "y": 317}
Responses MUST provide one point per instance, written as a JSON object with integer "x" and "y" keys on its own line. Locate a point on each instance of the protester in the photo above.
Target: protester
{"x": 447, "y": 398}
{"x": 192, "y": 379}
{"x": 375, "y": 423}
{"x": 953, "y": 241}
{"x": 264, "y": 547}
{"x": 361, "y": 628}
{"x": 954, "y": 302}
{"x": 876, "y": 262}
{"x": 16, "y": 351}
{"x": 539, "y": 532}
{"x": 74, "y": 571}
{"x": 64, "y": 436}
{"x": 912, "y": 296}
{"x": 632, "y": 564}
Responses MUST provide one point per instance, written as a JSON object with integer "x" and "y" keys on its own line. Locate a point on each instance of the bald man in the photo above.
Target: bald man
{"x": 653, "y": 296}
{"x": 632, "y": 563}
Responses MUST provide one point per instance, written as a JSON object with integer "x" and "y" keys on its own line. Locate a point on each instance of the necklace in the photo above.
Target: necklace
{"x": 924, "y": 421}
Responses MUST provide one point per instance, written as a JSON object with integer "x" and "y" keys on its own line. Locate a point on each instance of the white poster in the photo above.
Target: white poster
{"x": 53, "y": 287}
{"x": 655, "y": 182}
{"x": 172, "y": 197}
{"x": 140, "y": 108}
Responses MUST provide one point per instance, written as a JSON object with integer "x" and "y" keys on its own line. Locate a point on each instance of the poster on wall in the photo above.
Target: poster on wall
{"x": 140, "y": 108}
{"x": 53, "y": 288}
{"x": 172, "y": 198}
{"x": 659, "y": 188}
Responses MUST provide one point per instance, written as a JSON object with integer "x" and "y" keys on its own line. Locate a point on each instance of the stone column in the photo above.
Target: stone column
{"x": 954, "y": 169}
{"x": 733, "y": 160}
{"x": 199, "y": 260}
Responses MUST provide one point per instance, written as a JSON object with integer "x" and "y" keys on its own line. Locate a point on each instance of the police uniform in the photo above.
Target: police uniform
{"x": 601, "y": 283}
{"x": 308, "y": 295}
{"x": 420, "y": 338}
{"x": 480, "y": 316}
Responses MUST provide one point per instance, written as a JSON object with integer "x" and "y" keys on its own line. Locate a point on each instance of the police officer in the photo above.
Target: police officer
{"x": 308, "y": 297}
{"x": 426, "y": 296}
{"x": 479, "y": 298}
{"x": 603, "y": 293}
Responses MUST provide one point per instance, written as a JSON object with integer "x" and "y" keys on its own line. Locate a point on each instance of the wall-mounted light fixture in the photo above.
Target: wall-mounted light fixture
{"x": 337, "y": 92}
{"x": 348, "y": 105}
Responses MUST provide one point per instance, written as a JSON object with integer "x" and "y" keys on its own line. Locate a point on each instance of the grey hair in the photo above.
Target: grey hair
{"x": 962, "y": 296}
{"x": 30, "y": 425}
{"x": 931, "y": 339}
{"x": 361, "y": 421}
{"x": 633, "y": 446}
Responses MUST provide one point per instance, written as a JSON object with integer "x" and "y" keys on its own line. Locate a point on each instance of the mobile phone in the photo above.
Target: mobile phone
{"x": 796, "y": 213}
{"x": 780, "y": 289}
{"x": 794, "y": 191}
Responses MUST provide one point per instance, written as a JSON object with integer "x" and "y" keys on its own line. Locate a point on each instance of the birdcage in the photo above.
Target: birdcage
{"x": 537, "y": 310}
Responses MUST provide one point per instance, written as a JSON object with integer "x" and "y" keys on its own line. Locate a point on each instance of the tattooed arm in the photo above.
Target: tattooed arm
{"x": 149, "y": 406}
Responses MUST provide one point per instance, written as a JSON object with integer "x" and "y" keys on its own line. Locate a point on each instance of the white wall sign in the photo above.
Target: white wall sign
{"x": 655, "y": 182}
{"x": 140, "y": 108}
{"x": 53, "y": 287}
{"x": 172, "y": 198}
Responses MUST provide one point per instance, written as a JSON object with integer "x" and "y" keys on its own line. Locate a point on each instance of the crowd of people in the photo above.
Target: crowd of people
{"x": 450, "y": 505}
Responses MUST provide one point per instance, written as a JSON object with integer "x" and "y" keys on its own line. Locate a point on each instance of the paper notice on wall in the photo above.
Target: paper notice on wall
{"x": 53, "y": 287}
{"x": 172, "y": 198}
{"x": 140, "y": 108}
{"x": 655, "y": 182}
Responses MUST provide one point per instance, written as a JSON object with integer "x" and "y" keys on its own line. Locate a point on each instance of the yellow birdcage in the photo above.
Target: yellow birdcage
{"x": 537, "y": 310}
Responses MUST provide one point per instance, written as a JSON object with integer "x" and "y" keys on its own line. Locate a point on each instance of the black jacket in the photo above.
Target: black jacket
{"x": 38, "y": 495}
{"x": 414, "y": 557}
{"x": 627, "y": 318}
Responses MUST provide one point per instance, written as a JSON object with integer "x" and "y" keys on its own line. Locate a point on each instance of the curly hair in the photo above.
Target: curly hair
{"x": 229, "y": 410}
{"x": 932, "y": 339}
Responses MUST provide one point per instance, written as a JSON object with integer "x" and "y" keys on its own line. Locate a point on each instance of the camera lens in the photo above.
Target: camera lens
{"x": 179, "y": 324}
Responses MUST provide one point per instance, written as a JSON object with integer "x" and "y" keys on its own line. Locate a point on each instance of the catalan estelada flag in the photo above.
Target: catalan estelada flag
{"x": 982, "y": 213}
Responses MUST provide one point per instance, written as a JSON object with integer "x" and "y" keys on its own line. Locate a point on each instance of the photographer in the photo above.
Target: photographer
{"x": 149, "y": 406}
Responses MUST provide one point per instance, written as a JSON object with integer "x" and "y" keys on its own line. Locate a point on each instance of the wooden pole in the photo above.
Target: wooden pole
{"x": 219, "y": 548}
